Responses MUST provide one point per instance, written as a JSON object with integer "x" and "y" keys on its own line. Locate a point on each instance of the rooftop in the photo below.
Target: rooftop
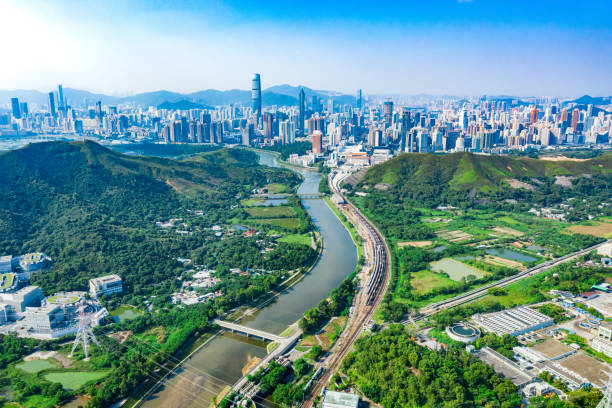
{"x": 552, "y": 349}
{"x": 341, "y": 399}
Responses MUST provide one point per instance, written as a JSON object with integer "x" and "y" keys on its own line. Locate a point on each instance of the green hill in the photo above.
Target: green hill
{"x": 464, "y": 177}
{"x": 94, "y": 210}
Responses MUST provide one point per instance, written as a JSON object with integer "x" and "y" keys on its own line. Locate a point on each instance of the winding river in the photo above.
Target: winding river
{"x": 220, "y": 362}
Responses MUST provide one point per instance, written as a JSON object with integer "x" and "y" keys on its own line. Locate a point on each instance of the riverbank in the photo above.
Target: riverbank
{"x": 221, "y": 362}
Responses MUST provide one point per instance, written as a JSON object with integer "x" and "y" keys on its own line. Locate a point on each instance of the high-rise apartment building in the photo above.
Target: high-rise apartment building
{"x": 52, "y": 104}
{"x": 302, "y": 112}
{"x": 317, "y": 142}
{"x": 575, "y": 119}
{"x": 15, "y": 108}
{"x": 388, "y": 111}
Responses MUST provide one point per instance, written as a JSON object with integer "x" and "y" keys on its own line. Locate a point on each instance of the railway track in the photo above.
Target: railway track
{"x": 367, "y": 299}
{"x": 467, "y": 297}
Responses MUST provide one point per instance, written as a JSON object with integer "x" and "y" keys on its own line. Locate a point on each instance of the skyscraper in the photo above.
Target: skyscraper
{"x": 52, "y": 104}
{"x": 60, "y": 94}
{"x": 388, "y": 111}
{"x": 256, "y": 94}
{"x": 533, "y": 117}
{"x": 99, "y": 111}
{"x": 301, "y": 117}
{"x": 575, "y": 118}
{"x": 15, "y": 108}
{"x": 317, "y": 138}
{"x": 359, "y": 99}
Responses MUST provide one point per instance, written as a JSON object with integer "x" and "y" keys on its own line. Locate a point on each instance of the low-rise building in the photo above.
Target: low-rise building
{"x": 602, "y": 345}
{"x": 605, "y": 331}
{"x": 605, "y": 250}
{"x": 515, "y": 321}
{"x": 335, "y": 399}
{"x": 45, "y": 319}
{"x": 6, "y": 264}
{"x": 105, "y": 285}
{"x": 22, "y": 298}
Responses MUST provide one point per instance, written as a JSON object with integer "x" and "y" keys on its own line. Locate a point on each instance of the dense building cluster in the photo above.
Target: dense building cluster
{"x": 436, "y": 124}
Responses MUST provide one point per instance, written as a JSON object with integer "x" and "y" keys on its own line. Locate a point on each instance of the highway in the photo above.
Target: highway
{"x": 377, "y": 263}
{"x": 370, "y": 296}
{"x": 467, "y": 297}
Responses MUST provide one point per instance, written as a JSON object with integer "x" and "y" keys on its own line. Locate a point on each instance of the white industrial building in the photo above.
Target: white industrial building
{"x": 105, "y": 285}
{"x": 17, "y": 301}
{"x": 335, "y": 399}
{"x": 515, "y": 321}
{"x": 605, "y": 250}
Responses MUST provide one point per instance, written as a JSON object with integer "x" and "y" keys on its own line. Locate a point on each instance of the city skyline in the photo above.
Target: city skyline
{"x": 461, "y": 47}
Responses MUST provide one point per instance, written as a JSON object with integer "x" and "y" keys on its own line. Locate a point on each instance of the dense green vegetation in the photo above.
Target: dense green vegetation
{"x": 286, "y": 150}
{"x": 94, "y": 211}
{"x": 337, "y": 304}
{"x": 392, "y": 370}
{"x": 464, "y": 204}
{"x": 534, "y": 289}
{"x": 81, "y": 204}
{"x": 465, "y": 180}
{"x": 164, "y": 150}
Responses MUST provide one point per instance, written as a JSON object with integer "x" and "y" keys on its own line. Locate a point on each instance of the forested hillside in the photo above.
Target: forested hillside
{"x": 94, "y": 210}
{"x": 463, "y": 178}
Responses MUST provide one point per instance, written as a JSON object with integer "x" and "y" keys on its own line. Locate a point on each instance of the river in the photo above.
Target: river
{"x": 220, "y": 362}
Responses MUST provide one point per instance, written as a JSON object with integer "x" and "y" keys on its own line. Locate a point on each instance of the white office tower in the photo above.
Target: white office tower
{"x": 463, "y": 120}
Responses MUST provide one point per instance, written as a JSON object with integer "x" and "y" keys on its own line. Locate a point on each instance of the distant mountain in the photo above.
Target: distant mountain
{"x": 181, "y": 105}
{"x": 593, "y": 100}
{"x": 294, "y": 91}
{"x": 281, "y": 95}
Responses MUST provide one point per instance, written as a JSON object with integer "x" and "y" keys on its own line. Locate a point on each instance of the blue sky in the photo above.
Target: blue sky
{"x": 537, "y": 47}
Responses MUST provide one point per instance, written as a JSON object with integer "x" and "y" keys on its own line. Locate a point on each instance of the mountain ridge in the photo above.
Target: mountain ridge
{"x": 281, "y": 95}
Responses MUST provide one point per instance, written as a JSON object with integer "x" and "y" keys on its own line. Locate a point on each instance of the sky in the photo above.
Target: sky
{"x": 454, "y": 47}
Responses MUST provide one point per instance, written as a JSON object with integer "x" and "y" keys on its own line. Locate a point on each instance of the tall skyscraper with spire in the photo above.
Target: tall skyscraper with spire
{"x": 301, "y": 116}
{"x": 256, "y": 95}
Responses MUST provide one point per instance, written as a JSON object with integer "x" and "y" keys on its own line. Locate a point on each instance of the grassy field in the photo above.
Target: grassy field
{"x": 271, "y": 211}
{"x": 252, "y": 201}
{"x": 35, "y": 366}
{"x": 73, "y": 380}
{"x": 425, "y": 281}
{"x": 332, "y": 331}
{"x": 303, "y": 239}
{"x": 280, "y": 222}
{"x": 598, "y": 229}
{"x": 277, "y": 188}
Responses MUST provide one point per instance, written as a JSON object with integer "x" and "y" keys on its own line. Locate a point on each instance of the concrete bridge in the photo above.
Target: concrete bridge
{"x": 272, "y": 197}
{"x": 248, "y": 331}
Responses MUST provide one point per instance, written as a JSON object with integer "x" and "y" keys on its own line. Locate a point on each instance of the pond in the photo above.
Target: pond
{"x": 125, "y": 313}
{"x": 455, "y": 269}
{"x": 509, "y": 254}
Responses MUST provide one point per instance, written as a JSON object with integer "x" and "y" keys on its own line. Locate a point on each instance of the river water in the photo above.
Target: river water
{"x": 220, "y": 362}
